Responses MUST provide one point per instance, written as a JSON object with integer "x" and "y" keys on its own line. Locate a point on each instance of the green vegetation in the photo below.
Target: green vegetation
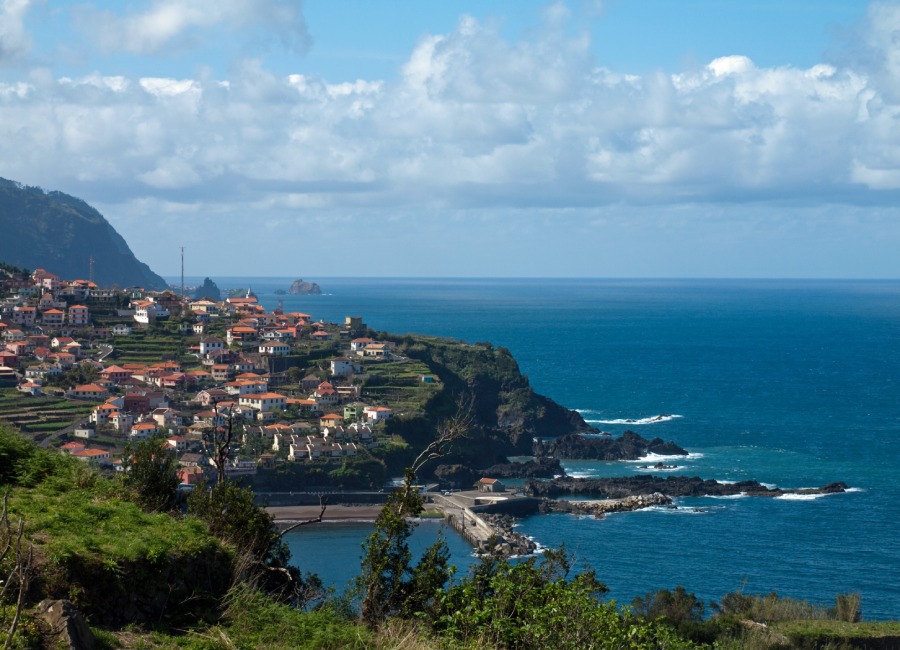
{"x": 218, "y": 577}
{"x": 28, "y": 214}
{"x": 77, "y": 375}
{"x": 149, "y": 346}
{"x": 40, "y": 414}
{"x": 151, "y": 474}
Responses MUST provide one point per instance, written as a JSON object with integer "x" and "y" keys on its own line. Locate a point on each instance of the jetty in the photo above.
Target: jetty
{"x": 485, "y": 519}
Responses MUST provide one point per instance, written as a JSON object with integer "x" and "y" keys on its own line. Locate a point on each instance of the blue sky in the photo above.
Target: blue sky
{"x": 614, "y": 138}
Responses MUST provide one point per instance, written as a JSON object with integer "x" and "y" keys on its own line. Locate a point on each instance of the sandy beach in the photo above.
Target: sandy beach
{"x": 336, "y": 512}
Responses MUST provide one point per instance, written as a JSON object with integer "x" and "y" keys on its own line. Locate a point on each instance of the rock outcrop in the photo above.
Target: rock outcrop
{"x": 301, "y": 288}
{"x": 208, "y": 290}
{"x": 673, "y": 486}
{"x": 629, "y": 446}
{"x": 457, "y": 476}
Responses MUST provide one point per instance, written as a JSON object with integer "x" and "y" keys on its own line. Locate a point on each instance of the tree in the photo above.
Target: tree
{"x": 262, "y": 557}
{"x": 387, "y": 585}
{"x": 151, "y": 474}
{"x": 674, "y": 607}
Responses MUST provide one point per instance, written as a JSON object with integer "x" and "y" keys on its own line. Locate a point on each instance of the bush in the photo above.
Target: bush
{"x": 151, "y": 474}
{"x": 24, "y": 464}
{"x": 535, "y": 604}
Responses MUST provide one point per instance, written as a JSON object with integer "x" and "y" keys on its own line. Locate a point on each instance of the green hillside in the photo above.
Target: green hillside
{"x": 61, "y": 233}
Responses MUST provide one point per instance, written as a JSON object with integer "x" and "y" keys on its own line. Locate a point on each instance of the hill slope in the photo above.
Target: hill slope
{"x": 60, "y": 233}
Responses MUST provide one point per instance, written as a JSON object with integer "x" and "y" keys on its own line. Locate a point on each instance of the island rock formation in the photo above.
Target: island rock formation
{"x": 301, "y": 288}
{"x": 208, "y": 290}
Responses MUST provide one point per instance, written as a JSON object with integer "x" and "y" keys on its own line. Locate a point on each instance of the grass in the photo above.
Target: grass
{"x": 838, "y": 629}
{"x": 92, "y": 523}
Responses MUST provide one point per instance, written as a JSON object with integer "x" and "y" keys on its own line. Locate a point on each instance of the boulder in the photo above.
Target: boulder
{"x": 67, "y": 625}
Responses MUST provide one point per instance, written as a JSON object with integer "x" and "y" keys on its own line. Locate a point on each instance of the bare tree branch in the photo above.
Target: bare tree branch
{"x": 323, "y": 501}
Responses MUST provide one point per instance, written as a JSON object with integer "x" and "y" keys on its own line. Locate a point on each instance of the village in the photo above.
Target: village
{"x": 106, "y": 367}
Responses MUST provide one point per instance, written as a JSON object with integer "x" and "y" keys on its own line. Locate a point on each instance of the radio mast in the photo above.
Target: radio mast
{"x": 182, "y": 272}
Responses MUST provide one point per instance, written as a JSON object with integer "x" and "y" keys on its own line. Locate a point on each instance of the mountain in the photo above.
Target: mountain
{"x": 60, "y": 233}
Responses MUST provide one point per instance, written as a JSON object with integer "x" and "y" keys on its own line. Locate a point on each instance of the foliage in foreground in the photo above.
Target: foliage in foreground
{"x": 538, "y": 604}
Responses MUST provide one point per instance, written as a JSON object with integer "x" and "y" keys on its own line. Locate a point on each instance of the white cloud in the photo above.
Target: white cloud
{"x": 167, "y": 24}
{"x": 15, "y": 41}
{"x": 474, "y": 123}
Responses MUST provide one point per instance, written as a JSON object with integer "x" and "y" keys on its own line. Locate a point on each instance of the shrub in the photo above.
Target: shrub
{"x": 534, "y": 604}
{"x": 151, "y": 474}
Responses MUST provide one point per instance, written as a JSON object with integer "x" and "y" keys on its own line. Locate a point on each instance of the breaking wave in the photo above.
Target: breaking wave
{"x": 665, "y": 417}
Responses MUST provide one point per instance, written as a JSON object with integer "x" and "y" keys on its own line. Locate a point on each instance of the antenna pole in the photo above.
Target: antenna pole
{"x": 182, "y": 273}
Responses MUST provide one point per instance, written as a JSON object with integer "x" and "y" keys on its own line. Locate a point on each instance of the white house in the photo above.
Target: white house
{"x": 376, "y": 414}
{"x": 264, "y": 402}
{"x": 210, "y": 343}
{"x": 274, "y": 349}
{"x": 342, "y": 366}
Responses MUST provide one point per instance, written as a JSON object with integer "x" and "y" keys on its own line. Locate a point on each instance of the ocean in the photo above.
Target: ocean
{"x": 791, "y": 383}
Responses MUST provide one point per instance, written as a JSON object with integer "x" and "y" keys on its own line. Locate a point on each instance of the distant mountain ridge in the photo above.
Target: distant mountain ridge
{"x": 60, "y": 233}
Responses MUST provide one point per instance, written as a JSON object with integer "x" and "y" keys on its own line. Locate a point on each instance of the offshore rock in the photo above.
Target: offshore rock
{"x": 301, "y": 288}
{"x": 629, "y": 446}
{"x": 208, "y": 290}
{"x": 673, "y": 486}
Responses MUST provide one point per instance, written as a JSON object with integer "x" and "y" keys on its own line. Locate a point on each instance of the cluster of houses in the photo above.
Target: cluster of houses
{"x": 46, "y": 327}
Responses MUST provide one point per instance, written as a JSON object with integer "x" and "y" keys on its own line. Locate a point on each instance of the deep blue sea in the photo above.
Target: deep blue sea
{"x": 792, "y": 383}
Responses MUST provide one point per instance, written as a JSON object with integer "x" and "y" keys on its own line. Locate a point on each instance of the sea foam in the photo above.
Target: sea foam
{"x": 639, "y": 421}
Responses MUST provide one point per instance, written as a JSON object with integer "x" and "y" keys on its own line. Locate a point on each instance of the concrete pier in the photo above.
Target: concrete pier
{"x": 462, "y": 510}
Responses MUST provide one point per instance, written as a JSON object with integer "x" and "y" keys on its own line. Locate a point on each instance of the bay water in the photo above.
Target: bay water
{"x": 791, "y": 383}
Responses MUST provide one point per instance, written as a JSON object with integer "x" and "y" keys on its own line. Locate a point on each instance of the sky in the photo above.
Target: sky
{"x": 504, "y": 138}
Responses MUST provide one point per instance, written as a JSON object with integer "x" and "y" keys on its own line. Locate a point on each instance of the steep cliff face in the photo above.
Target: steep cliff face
{"x": 61, "y": 233}
{"x": 507, "y": 414}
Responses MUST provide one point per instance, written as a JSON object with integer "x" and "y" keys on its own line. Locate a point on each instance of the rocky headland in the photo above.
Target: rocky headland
{"x": 629, "y": 446}
{"x": 459, "y": 476}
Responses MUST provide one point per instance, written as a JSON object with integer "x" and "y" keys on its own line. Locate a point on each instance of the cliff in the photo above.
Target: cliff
{"x": 60, "y": 233}
{"x": 506, "y": 414}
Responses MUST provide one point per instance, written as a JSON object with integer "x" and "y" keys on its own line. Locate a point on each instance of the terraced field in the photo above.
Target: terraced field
{"x": 148, "y": 347}
{"x": 399, "y": 384}
{"x": 40, "y": 414}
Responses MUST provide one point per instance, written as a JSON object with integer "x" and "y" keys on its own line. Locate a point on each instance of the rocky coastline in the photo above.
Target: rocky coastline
{"x": 671, "y": 486}
{"x": 628, "y": 446}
